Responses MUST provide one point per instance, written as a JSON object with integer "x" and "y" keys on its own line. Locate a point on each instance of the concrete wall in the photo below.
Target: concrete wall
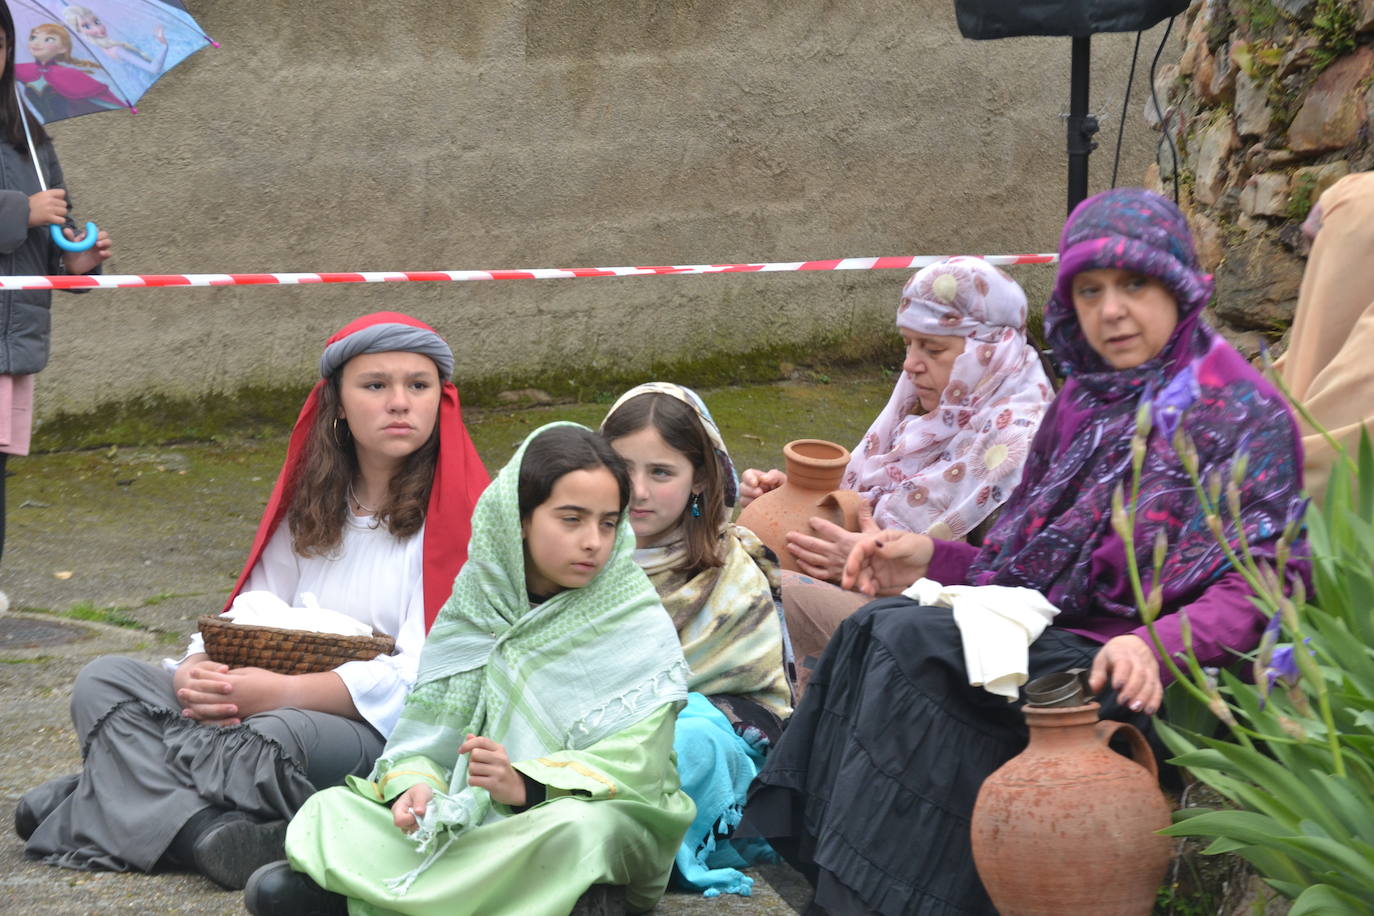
{"x": 420, "y": 134}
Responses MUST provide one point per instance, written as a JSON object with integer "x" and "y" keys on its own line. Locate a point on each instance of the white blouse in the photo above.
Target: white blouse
{"x": 373, "y": 577}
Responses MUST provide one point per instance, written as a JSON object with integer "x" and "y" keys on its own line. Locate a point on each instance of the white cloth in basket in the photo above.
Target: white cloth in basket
{"x": 265, "y": 609}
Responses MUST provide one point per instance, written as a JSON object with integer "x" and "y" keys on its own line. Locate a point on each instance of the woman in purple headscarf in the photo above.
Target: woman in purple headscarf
{"x": 876, "y": 814}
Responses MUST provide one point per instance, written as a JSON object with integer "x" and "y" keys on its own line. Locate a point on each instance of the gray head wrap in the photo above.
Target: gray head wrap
{"x": 382, "y": 338}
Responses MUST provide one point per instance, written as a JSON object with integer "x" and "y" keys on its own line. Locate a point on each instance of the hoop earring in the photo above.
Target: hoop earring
{"x": 694, "y": 505}
{"x": 341, "y": 439}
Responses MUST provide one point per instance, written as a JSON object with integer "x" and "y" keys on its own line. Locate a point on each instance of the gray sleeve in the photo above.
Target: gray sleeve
{"x": 14, "y": 220}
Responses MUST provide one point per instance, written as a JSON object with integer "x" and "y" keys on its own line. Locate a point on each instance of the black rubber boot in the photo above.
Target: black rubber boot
{"x": 234, "y": 846}
{"x": 277, "y": 890}
{"x": 39, "y": 802}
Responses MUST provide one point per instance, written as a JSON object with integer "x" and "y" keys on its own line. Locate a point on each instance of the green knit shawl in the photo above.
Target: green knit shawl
{"x": 582, "y": 665}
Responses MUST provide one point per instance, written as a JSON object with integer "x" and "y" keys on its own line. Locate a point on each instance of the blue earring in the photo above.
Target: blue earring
{"x": 694, "y": 504}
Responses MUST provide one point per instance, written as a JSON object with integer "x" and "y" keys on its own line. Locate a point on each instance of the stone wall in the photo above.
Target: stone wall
{"x": 1268, "y": 104}
{"x": 436, "y": 134}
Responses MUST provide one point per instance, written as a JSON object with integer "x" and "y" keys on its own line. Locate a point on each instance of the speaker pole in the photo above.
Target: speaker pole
{"x": 1081, "y": 125}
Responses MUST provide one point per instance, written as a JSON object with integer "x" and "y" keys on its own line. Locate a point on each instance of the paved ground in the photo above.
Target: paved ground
{"x": 120, "y": 550}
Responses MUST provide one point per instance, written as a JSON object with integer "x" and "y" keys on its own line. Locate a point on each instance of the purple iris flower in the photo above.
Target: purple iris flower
{"x": 1283, "y": 666}
{"x": 1271, "y": 629}
{"x": 1173, "y": 399}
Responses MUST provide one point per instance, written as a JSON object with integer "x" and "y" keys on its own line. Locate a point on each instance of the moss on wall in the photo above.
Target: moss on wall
{"x": 263, "y": 410}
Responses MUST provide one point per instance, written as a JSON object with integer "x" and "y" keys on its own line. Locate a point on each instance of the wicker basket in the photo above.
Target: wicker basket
{"x": 286, "y": 651}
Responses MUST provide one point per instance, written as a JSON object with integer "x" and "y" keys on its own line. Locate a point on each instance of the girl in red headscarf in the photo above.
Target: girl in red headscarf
{"x": 370, "y": 516}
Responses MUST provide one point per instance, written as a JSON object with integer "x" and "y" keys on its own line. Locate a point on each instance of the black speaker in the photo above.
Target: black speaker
{"x": 987, "y": 19}
{"x": 982, "y": 19}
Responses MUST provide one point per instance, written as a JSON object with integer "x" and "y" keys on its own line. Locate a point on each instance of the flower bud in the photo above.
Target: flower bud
{"x": 1296, "y": 519}
{"x": 1219, "y": 708}
{"x": 1239, "y": 467}
{"x": 1233, "y": 502}
{"x": 1268, "y": 640}
{"x": 1260, "y": 673}
{"x": 1214, "y": 488}
{"x": 1281, "y": 552}
{"x": 1137, "y": 456}
{"x": 1153, "y": 602}
{"x": 1289, "y": 612}
{"x": 1119, "y": 523}
{"x": 1187, "y": 452}
{"x": 1161, "y": 551}
{"x": 1144, "y": 419}
{"x": 1185, "y": 631}
{"x": 1298, "y": 697}
{"x": 1307, "y": 664}
{"x": 1293, "y": 729}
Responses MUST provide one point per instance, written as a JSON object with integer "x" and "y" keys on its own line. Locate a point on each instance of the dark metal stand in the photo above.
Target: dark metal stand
{"x": 1081, "y": 125}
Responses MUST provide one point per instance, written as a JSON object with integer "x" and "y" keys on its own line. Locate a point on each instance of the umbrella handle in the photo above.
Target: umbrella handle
{"x": 66, "y": 244}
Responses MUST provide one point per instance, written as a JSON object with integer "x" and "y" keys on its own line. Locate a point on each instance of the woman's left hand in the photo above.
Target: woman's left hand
{"x": 229, "y": 697}
{"x": 823, "y": 553}
{"x": 83, "y": 262}
{"x": 489, "y": 767}
{"x": 1130, "y": 665}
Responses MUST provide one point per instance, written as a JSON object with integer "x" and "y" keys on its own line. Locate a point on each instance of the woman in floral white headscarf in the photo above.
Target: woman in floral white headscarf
{"x": 945, "y": 470}
{"x": 948, "y": 448}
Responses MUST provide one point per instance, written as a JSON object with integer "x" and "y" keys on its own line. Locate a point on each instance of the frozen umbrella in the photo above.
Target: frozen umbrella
{"x": 73, "y": 59}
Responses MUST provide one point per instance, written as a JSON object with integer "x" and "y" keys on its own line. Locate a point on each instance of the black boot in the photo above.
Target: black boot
{"x": 227, "y": 846}
{"x": 277, "y": 890}
{"x": 38, "y": 803}
{"x": 601, "y": 900}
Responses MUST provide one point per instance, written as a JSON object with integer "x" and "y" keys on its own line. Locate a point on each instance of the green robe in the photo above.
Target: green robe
{"x": 614, "y": 815}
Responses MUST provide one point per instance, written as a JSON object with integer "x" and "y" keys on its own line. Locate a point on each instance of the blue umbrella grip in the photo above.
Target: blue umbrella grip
{"x": 66, "y": 244}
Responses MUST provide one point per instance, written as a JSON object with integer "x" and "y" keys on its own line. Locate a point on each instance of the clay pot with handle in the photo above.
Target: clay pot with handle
{"x": 814, "y": 468}
{"x": 1069, "y": 826}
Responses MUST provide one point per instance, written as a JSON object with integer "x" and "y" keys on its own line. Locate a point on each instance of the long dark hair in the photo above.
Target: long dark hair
{"x": 680, "y": 427}
{"x": 562, "y": 450}
{"x": 319, "y": 507}
{"x": 11, "y": 128}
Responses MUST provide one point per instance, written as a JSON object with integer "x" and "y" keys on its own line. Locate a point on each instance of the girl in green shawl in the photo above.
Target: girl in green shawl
{"x": 717, "y": 582}
{"x": 534, "y": 757}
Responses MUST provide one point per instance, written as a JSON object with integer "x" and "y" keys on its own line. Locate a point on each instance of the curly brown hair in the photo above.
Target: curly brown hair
{"x": 679, "y": 426}
{"x": 319, "y": 507}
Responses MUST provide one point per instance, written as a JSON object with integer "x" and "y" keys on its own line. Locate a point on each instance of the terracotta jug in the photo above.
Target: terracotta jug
{"x": 1068, "y": 826}
{"x": 814, "y": 468}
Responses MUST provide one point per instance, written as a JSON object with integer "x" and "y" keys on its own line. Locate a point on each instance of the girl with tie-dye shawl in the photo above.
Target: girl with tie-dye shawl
{"x": 717, "y": 582}
{"x": 872, "y": 801}
{"x": 574, "y": 671}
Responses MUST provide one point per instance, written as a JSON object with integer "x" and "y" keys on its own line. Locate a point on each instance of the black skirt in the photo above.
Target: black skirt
{"x": 870, "y": 791}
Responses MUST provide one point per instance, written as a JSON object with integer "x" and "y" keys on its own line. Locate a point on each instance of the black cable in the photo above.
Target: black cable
{"x": 1125, "y": 103}
{"x": 1163, "y": 115}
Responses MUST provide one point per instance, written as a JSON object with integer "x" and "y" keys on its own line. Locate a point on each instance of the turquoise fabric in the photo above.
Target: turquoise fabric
{"x": 716, "y": 766}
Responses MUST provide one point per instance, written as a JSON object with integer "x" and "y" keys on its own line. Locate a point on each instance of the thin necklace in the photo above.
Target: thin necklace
{"x": 358, "y": 502}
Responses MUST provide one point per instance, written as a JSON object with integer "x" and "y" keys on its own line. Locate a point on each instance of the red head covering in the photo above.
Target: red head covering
{"x": 459, "y": 476}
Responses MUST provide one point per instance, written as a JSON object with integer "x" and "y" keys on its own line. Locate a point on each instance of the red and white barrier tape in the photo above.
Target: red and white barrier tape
{"x": 115, "y": 281}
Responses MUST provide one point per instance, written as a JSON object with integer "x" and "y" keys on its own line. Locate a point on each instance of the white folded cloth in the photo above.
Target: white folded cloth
{"x": 265, "y": 609}
{"x": 997, "y": 624}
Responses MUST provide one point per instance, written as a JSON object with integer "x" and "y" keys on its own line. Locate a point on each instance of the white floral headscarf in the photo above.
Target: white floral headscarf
{"x": 945, "y": 471}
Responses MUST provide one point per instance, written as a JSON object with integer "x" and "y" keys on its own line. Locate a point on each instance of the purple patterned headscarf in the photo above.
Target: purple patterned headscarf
{"x": 1055, "y": 532}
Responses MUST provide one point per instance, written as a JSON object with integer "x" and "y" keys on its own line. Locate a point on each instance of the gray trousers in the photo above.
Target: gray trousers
{"x": 146, "y": 769}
